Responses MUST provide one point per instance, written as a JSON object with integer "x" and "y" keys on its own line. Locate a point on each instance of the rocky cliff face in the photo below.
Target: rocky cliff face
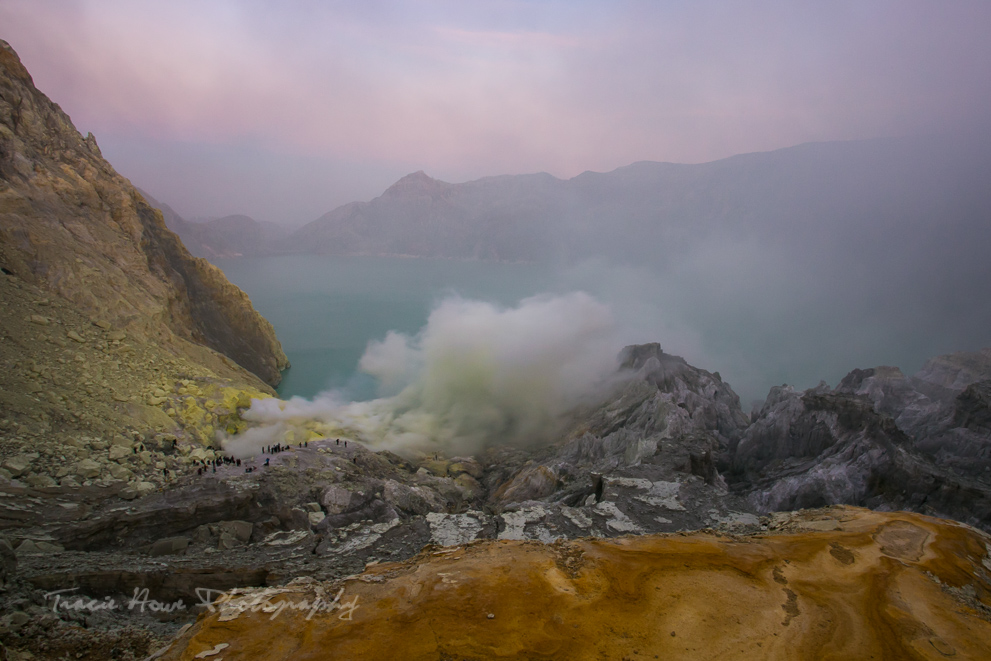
{"x": 70, "y": 224}
{"x": 115, "y": 342}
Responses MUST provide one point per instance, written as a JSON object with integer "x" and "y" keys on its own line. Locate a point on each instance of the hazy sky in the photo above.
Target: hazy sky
{"x": 286, "y": 110}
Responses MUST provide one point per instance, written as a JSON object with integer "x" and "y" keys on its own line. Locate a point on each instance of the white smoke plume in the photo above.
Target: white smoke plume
{"x": 475, "y": 375}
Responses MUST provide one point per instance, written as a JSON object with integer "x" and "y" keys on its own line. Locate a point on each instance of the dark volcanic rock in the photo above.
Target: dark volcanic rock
{"x": 972, "y": 408}
{"x": 881, "y": 439}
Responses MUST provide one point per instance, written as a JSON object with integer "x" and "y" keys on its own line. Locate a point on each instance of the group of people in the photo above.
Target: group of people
{"x": 214, "y": 463}
{"x": 279, "y": 447}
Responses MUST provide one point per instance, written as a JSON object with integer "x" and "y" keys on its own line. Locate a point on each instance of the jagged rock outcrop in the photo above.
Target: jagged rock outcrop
{"x": 943, "y": 408}
{"x": 70, "y": 224}
{"x": 881, "y": 440}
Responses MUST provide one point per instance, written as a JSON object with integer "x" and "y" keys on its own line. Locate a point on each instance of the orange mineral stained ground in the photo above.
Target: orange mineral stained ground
{"x": 875, "y": 586}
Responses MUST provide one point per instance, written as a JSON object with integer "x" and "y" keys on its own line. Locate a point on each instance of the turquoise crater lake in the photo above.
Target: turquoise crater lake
{"x": 326, "y": 309}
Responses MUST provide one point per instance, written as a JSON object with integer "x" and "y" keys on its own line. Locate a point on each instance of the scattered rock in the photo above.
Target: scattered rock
{"x": 8, "y": 562}
{"x": 19, "y": 464}
{"x": 239, "y": 530}
{"x": 16, "y": 620}
{"x": 40, "y": 481}
{"x": 335, "y": 499}
{"x": 169, "y": 546}
{"x": 88, "y": 469}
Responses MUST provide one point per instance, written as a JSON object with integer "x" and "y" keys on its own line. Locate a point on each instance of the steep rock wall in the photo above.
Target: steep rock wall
{"x": 70, "y": 223}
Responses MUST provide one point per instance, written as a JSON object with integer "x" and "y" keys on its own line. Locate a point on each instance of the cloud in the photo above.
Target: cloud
{"x": 476, "y": 375}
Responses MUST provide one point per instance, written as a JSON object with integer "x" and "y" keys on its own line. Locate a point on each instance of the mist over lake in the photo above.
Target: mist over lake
{"x": 326, "y": 309}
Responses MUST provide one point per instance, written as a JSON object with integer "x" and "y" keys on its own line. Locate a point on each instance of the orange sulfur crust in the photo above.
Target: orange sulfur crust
{"x": 868, "y": 589}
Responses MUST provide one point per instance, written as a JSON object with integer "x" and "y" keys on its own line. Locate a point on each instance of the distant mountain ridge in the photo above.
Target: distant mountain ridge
{"x": 848, "y": 194}
{"x": 236, "y": 235}
{"x": 627, "y": 212}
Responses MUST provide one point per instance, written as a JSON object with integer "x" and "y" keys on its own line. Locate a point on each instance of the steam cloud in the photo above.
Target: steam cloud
{"x": 475, "y": 375}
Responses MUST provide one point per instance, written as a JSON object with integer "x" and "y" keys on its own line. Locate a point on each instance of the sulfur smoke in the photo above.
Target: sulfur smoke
{"x": 475, "y": 375}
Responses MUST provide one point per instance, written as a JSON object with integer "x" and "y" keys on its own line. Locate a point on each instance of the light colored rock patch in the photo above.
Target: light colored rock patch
{"x": 517, "y": 521}
{"x": 663, "y": 494}
{"x": 577, "y": 517}
{"x": 617, "y": 519}
{"x": 632, "y": 482}
{"x": 285, "y": 537}
{"x": 658, "y": 494}
{"x": 737, "y": 519}
{"x": 372, "y": 535}
{"x": 454, "y": 529}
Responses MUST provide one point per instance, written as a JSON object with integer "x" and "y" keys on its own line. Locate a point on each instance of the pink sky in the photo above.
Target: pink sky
{"x": 286, "y": 110}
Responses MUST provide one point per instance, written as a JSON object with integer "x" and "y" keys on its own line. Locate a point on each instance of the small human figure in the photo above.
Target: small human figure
{"x": 266, "y": 461}
{"x": 239, "y": 462}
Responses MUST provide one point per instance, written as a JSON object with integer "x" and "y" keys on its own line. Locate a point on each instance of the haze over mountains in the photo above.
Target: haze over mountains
{"x": 848, "y": 191}
{"x": 783, "y": 266}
